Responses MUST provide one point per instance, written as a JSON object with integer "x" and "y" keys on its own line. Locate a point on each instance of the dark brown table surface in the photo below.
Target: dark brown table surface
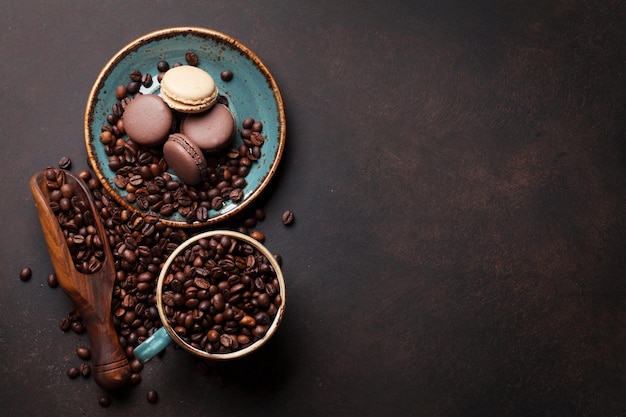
{"x": 458, "y": 174}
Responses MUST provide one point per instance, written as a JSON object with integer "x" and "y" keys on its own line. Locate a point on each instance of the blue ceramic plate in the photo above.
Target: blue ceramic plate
{"x": 251, "y": 93}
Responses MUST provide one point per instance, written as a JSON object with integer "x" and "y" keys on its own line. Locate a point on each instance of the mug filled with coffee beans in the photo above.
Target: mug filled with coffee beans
{"x": 220, "y": 296}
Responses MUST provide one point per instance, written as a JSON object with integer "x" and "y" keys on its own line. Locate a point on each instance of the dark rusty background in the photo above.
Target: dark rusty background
{"x": 458, "y": 174}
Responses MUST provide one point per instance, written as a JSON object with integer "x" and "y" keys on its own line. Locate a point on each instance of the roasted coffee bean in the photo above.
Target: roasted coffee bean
{"x": 246, "y": 133}
{"x": 64, "y": 324}
{"x": 73, "y": 372}
{"x": 217, "y": 202}
{"x": 85, "y": 369}
{"x": 26, "y": 274}
{"x": 202, "y": 214}
{"x": 247, "y": 123}
{"x": 152, "y": 397}
{"x": 146, "y": 80}
{"x": 133, "y": 87}
{"x": 65, "y": 162}
{"x": 226, "y": 75}
{"x": 104, "y": 401}
{"x": 192, "y": 58}
{"x": 287, "y": 217}
{"x": 257, "y": 126}
{"x": 262, "y": 318}
{"x": 135, "y": 378}
{"x": 259, "y": 214}
{"x": 135, "y": 180}
{"x": 257, "y": 235}
{"x": 83, "y": 352}
{"x": 77, "y": 327}
{"x": 163, "y": 66}
{"x": 236, "y": 195}
{"x": 135, "y": 366}
{"x": 135, "y": 75}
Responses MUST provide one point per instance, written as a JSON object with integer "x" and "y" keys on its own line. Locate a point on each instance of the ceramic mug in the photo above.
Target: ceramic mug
{"x": 166, "y": 335}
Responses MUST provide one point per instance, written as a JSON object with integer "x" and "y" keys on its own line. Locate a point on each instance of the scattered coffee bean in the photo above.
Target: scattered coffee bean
{"x": 152, "y": 396}
{"x": 26, "y": 274}
{"x": 226, "y": 75}
{"x": 73, "y": 372}
{"x": 104, "y": 401}
{"x": 64, "y": 324}
{"x": 52, "y": 280}
{"x": 191, "y": 58}
{"x": 83, "y": 352}
{"x": 259, "y": 214}
{"x": 257, "y": 235}
{"x": 77, "y": 327}
{"x": 85, "y": 369}
{"x": 65, "y": 162}
{"x": 135, "y": 378}
{"x": 135, "y": 366}
{"x": 287, "y": 217}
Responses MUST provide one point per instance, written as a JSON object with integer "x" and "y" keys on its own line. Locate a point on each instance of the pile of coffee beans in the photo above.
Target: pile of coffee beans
{"x": 141, "y": 244}
{"x": 77, "y": 222}
{"x": 221, "y": 294}
{"x": 142, "y": 171}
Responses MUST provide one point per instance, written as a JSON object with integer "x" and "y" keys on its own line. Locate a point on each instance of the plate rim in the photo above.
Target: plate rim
{"x": 173, "y": 31}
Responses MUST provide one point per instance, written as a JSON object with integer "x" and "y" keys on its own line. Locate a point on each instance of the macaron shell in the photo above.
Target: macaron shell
{"x": 188, "y": 89}
{"x": 211, "y": 130}
{"x": 185, "y": 159}
{"x": 148, "y": 120}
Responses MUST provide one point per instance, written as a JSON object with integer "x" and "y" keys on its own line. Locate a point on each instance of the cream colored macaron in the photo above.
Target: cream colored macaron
{"x": 188, "y": 89}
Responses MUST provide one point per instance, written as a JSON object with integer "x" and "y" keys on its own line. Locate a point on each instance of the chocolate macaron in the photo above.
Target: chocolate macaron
{"x": 211, "y": 130}
{"x": 185, "y": 159}
{"x": 148, "y": 120}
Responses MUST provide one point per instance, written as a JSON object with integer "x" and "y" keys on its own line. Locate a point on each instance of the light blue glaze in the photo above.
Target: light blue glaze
{"x": 251, "y": 93}
{"x": 154, "y": 344}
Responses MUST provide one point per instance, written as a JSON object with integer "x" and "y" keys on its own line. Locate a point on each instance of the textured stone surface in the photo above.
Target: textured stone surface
{"x": 457, "y": 170}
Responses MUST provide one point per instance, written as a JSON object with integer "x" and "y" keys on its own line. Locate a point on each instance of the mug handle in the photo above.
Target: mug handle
{"x": 154, "y": 344}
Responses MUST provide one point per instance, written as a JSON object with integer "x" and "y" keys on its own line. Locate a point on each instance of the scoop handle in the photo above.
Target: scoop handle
{"x": 109, "y": 362}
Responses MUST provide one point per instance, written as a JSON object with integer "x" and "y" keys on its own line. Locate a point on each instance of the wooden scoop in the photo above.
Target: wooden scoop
{"x": 90, "y": 294}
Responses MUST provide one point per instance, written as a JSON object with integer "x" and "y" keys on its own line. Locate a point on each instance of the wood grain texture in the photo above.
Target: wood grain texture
{"x": 90, "y": 293}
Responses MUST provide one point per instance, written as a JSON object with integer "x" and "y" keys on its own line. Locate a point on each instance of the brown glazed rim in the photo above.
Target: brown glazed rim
{"x": 237, "y": 353}
{"x": 172, "y": 32}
